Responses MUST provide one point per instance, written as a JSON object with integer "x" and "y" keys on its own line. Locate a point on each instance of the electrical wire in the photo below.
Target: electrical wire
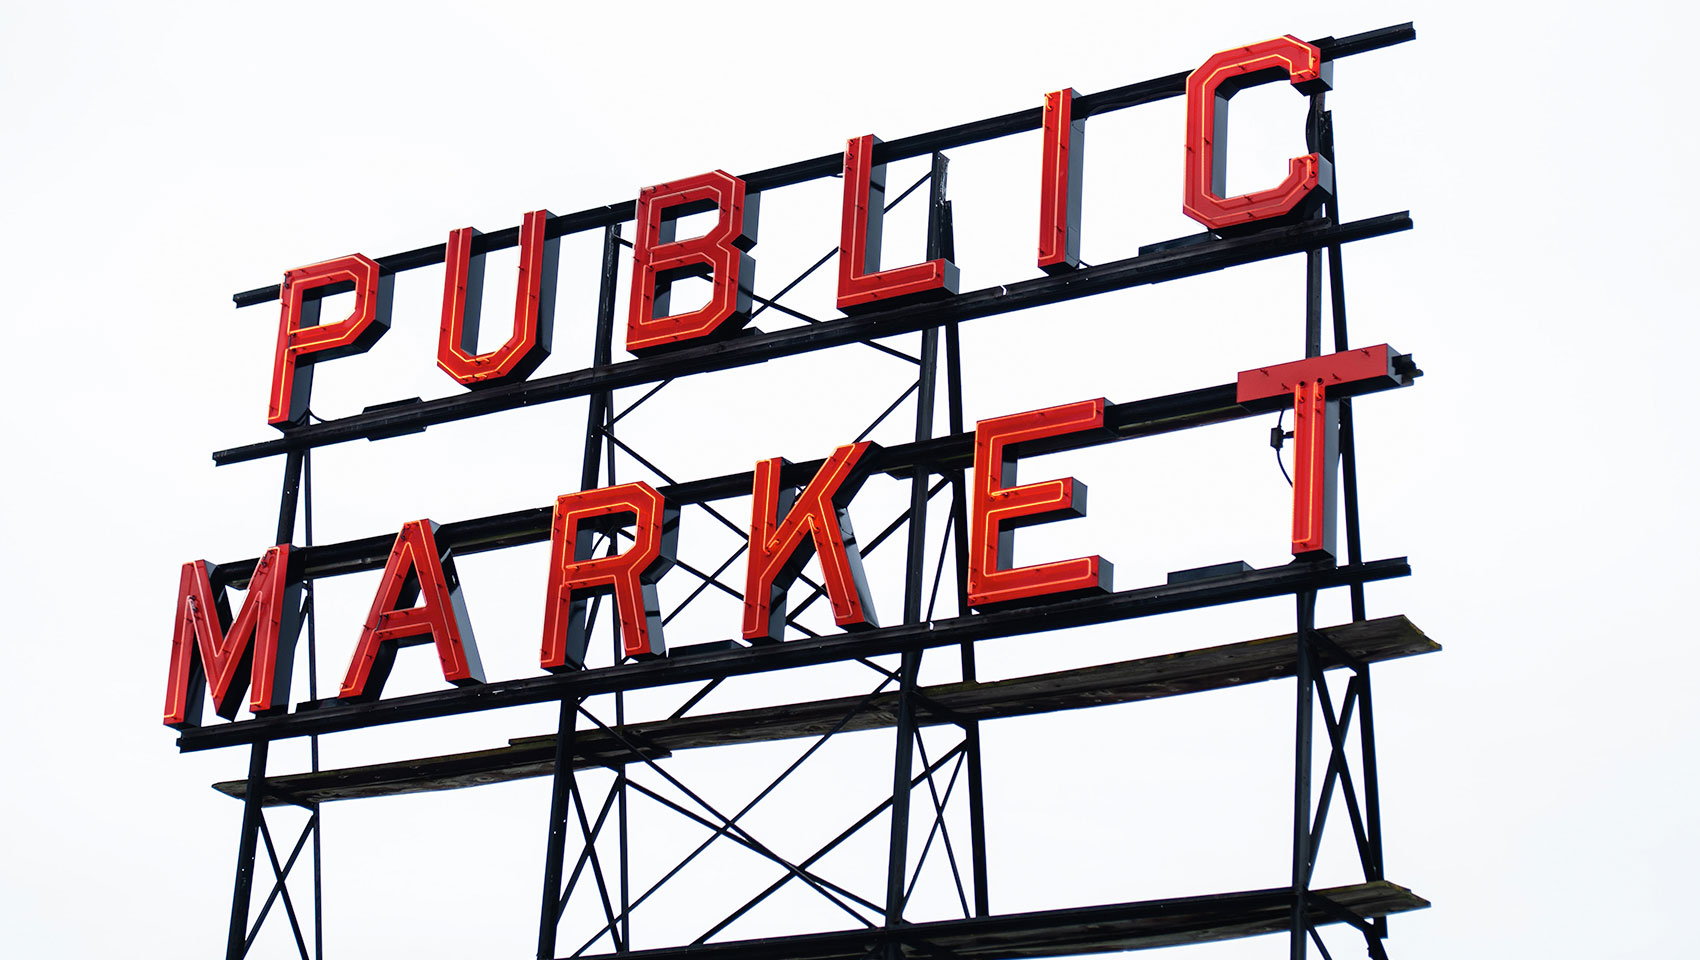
{"x": 1280, "y": 419}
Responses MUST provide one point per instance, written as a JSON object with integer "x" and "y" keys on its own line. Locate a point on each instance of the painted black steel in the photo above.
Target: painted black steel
{"x": 316, "y": 824}
{"x": 1306, "y": 672}
{"x": 330, "y": 717}
{"x": 980, "y": 935}
{"x": 1348, "y": 435}
{"x": 1151, "y": 268}
{"x": 560, "y": 799}
{"x": 914, "y": 582}
{"x": 949, "y": 455}
{"x": 1072, "y": 931}
{"x": 598, "y": 433}
{"x": 253, "y": 804}
{"x": 1299, "y": 932}
{"x": 1021, "y": 121}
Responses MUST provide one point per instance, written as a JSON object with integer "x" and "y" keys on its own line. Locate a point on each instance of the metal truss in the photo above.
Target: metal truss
{"x": 255, "y": 829}
{"x": 569, "y": 806}
{"x": 588, "y": 846}
{"x": 1314, "y": 649}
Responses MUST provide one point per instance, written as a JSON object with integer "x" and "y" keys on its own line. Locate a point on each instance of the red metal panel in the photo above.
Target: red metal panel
{"x": 1207, "y": 92}
{"x": 1363, "y": 363}
{"x": 1060, "y": 169}
{"x": 723, "y": 252}
{"x": 416, "y": 570}
{"x": 575, "y": 575}
{"x": 787, "y": 528}
{"x": 298, "y": 344}
{"x": 861, "y": 283}
{"x": 228, "y": 656}
{"x": 999, "y": 506}
{"x": 1313, "y": 476}
{"x": 534, "y": 299}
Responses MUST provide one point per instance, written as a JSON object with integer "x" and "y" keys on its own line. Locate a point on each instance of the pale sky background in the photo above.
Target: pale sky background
{"x": 1538, "y": 775}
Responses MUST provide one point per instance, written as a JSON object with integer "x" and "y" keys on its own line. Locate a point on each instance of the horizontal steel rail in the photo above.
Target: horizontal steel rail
{"x": 1071, "y": 931}
{"x": 1140, "y": 418}
{"x": 331, "y": 716}
{"x": 1021, "y": 121}
{"x": 1169, "y": 264}
{"x": 1126, "y": 681}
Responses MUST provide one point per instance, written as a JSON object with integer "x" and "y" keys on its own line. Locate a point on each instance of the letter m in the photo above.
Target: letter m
{"x": 212, "y": 652}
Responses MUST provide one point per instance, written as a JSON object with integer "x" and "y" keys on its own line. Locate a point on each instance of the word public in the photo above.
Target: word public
{"x": 722, "y": 255}
{"x": 419, "y": 599}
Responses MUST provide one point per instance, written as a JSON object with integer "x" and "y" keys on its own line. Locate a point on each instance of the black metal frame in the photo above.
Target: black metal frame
{"x": 297, "y": 490}
{"x": 931, "y": 463}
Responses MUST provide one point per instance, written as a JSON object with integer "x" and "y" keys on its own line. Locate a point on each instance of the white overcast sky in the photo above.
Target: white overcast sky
{"x": 1539, "y": 774}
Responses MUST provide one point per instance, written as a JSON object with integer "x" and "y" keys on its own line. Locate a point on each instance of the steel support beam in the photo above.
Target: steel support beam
{"x": 1073, "y": 931}
{"x": 329, "y": 716}
{"x": 253, "y": 805}
{"x": 1021, "y": 121}
{"x": 965, "y": 703}
{"x": 1156, "y": 267}
{"x": 950, "y": 455}
{"x": 981, "y": 935}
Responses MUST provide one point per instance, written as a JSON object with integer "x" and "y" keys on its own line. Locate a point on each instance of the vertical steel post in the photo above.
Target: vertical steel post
{"x": 313, "y": 694}
{"x": 1376, "y": 869}
{"x": 236, "y": 946}
{"x": 1348, "y": 444}
{"x": 897, "y": 864}
{"x": 590, "y": 472}
{"x": 1372, "y": 792}
{"x": 602, "y": 356}
{"x": 253, "y": 809}
{"x": 1301, "y": 772}
{"x": 1304, "y": 666}
{"x": 601, "y": 420}
{"x": 622, "y": 937}
{"x": 1313, "y": 303}
{"x": 560, "y": 806}
{"x": 926, "y": 401}
{"x": 946, "y": 247}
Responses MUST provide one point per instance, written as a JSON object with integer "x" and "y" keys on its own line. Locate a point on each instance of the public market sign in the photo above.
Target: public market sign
{"x": 793, "y": 519}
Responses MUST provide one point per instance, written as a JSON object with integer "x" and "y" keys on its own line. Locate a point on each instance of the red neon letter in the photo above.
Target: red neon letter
{"x": 575, "y": 575}
{"x": 1316, "y": 429}
{"x": 302, "y": 341}
{"x": 534, "y": 308}
{"x": 658, "y": 260}
{"x": 787, "y": 528}
{"x": 1208, "y": 90}
{"x": 862, "y": 285}
{"x": 207, "y": 648}
{"x": 1059, "y": 184}
{"x": 998, "y": 509}
{"x": 415, "y": 567}
{"x": 1316, "y": 451}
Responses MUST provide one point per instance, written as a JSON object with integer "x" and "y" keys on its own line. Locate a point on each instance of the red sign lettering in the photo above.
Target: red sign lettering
{"x": 658, "y": 260}
{"x": 1208, "y": 90}
{"x": 787, "y": 528}
{"x": 1316, "y": 451}
{"x": 254, "y": 651}
{"x": 1316, "y": 423}
{"x": 303, "y": 341}
{"x": 999, "y": 506}
{"x": 416, "y": 569}
{"x": 575, "y": 575}
{"x": 1060, "y": 170}
{"x": 862, "y": 285}
{"x": 534, "y": 308}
